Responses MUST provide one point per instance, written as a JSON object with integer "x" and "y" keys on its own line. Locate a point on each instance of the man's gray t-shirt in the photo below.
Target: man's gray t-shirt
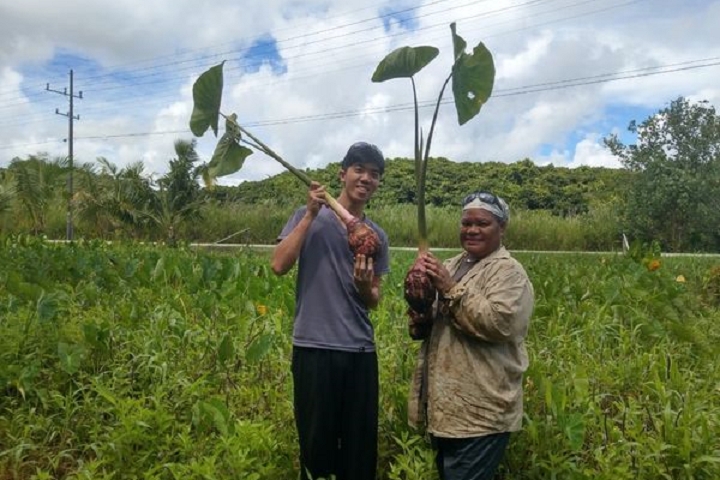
{"x": 328, "y": 310}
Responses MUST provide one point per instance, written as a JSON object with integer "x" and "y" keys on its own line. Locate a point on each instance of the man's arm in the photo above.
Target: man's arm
{"x": 371, "y": 295}
{"x": 287, "y": 251}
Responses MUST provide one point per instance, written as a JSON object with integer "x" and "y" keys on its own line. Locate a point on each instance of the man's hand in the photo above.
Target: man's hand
{"x": 315, "y": 199}
{"x": 366, "y": 282}
{"x": 363, "y": 273}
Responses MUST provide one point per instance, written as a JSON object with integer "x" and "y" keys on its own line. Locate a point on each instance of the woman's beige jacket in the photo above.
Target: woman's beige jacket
{"x": 469, "y": 376}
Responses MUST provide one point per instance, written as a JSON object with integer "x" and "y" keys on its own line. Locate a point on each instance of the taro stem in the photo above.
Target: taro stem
{"x": 421, "y": 162}
{"x": 344, "y": 215}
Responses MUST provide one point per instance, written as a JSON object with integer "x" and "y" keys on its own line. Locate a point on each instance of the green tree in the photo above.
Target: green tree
{"x": 39, "y": 185}
{"x": 112, "y": 200}
{"x": 178, "y": 198}
{"x": 675, "y": 167}
{"x": 7, "y": 192}
{"x": 181, "y": 181}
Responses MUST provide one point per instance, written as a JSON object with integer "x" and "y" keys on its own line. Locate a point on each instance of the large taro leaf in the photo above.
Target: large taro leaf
{"x": 212, "y": 413}
{"x": 473, "y": 78}
{"x": 226, "y": 349}
{"x": 404, "y": 62}
{"x": 259, "y": 348}
{"x": 71, "y": 356}
{"x": 229, "y": 155}
{"x": 207, "y": 94}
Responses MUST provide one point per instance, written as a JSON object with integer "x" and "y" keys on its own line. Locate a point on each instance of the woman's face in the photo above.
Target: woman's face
{"x": 480, "y": 232}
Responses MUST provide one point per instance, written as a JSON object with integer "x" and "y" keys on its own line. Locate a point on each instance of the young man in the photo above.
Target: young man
{"x": 334, "y": 364}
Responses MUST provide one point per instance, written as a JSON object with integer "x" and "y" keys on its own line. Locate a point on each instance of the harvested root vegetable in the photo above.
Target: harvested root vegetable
{"x": 419, "y": 290}
{"x": 363, "y": 240}
{"x": 419, "y": 325}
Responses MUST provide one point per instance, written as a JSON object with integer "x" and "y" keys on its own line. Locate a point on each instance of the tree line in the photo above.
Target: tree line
{"x": 668, "y": 190}
{"x": 560, "y": 190}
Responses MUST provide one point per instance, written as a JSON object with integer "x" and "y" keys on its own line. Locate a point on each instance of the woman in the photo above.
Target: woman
{"x": 467, "y": 386}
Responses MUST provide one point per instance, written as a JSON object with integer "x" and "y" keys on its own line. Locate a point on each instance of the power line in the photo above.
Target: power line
{"x": 139, "y": 76}
{"x": 129, "y": 97}
{"x": 174, "y": 61}
{"x": 499, "y": 93}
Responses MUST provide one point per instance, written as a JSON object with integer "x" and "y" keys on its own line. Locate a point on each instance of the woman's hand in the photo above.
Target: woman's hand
{"x": 439, "y": 275}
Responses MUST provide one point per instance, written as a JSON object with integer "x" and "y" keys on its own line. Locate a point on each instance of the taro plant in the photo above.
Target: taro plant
{"x": 472, "y": 75}
{"x": 230, "y": 153}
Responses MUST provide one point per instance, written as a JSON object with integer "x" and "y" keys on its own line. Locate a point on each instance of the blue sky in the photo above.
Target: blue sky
{"x": 399, "y": 15}
{"x": 613, "y": 120}
{"x": 569, "y": 73}
{"x": 263, "y": 51}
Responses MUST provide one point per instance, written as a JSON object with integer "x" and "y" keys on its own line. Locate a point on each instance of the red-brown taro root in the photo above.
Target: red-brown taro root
{"x": 362, "y": 238}
{"x": 419, "y": 290}
{"x": 419, "y": 325}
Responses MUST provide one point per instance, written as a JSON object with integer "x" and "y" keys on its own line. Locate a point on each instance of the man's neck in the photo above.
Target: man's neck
{"x": 356, "y": 209}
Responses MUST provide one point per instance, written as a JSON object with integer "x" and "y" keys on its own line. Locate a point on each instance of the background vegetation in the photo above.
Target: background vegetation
{"x": 667, "y": 192}
{"x": 113, "y": 203}
{"x": 134, "y": 360}
{"x": 140, "y": 361}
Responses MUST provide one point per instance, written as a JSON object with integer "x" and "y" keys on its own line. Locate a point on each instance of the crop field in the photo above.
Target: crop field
{"x": 142, "y": 361}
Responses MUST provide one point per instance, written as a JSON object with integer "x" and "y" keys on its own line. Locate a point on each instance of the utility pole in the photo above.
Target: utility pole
{"x": 71, "y": 117}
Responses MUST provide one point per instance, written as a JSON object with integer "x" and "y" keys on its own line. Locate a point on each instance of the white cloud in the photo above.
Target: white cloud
{"x": 136, "y": 62}
{"x": 591, "y": 152}
{"x": 525, "y": 62}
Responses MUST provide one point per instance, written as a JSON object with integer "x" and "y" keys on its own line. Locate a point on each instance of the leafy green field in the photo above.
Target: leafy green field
{"x": 140, "y": 361}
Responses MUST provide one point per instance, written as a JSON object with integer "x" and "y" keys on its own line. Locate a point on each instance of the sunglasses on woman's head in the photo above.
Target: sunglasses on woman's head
{"x": 483, "y": 197}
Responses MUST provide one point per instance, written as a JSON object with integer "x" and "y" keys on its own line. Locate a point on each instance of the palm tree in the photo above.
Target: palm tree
{"x": 177, "y": 199}
{"x": 38, "y": 186}
{"x": 7, "y": 192}
{"x": 113, "y": 200}
{"x": 125, "y": 200}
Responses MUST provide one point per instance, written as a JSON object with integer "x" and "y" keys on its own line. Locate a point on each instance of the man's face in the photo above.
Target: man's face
{"x": 360, "y": 181}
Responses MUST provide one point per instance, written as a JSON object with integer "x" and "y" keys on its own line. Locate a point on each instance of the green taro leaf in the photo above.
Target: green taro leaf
{"x": 226, "y": 349}
{"x": 459, "y": 43}
{"x": 97, "y": 336}
{"x": 47, "y": 307}
{"x": 207, "y": 94}
{"x": 574, "y": 429}
{"x": 212, "y": 413}
{"x": 404, "y": 62}
{"x": 229, "y": 155}
{"x": 259, "y": 348}
{"x": 71, "y": 356}
{"x": 473, "y": 78}
{"x": 220, "y": 416}
{"x": 159, "y": 269}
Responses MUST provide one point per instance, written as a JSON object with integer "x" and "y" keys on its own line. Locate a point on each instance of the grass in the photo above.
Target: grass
{"x": 141, "y": 361}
